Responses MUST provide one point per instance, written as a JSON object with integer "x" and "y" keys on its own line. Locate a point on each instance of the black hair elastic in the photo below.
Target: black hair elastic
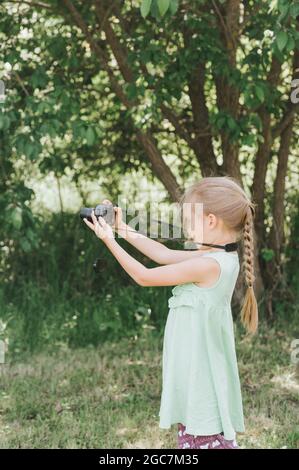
{"x": 228, "y": 247}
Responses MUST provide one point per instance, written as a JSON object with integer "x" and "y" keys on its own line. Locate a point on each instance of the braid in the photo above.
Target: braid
{"x": 248, "y": 249}
{"x": 249, "y": 313}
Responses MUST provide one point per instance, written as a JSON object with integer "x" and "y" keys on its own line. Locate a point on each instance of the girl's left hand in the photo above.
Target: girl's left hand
{"x": 100, "y": 227}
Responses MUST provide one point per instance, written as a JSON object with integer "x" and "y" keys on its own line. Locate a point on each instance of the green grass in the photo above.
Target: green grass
{"x": 108, "y": 396}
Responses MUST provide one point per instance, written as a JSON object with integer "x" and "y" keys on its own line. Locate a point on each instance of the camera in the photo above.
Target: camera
{"x": 101, "y": 210}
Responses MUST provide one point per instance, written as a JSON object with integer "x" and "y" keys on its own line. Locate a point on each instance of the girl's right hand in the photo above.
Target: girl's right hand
{"x": 118, "y": 215}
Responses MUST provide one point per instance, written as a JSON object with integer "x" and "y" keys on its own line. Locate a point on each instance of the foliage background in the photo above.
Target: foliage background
{"x": 135, "y": 100}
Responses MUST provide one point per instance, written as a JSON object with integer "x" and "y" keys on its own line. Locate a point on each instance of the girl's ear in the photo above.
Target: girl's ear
{"x": 212, "y": 220}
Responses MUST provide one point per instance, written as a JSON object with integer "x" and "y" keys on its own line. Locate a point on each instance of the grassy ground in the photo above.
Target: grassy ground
{"x": 109, "y": 397}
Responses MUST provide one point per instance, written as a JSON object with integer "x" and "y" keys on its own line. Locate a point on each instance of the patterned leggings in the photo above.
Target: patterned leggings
{"x": 215, "y": 441}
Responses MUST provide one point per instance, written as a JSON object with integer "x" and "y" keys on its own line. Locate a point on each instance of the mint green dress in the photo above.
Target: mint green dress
{"x": 200, "y": 379}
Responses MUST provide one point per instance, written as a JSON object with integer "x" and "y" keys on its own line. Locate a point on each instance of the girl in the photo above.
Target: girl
{"x": 201, "y": 388}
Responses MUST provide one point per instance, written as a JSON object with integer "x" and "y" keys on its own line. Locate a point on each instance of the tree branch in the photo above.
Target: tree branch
{"x": 160, "y": 169}
{"x": 79, "y": 21}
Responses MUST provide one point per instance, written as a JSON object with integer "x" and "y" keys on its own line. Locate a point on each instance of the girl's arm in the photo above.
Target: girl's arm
{"x": 203, "y": 270}
{"x": 153, "y": 249}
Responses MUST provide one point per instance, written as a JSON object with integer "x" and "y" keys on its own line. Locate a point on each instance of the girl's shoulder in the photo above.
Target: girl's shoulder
{"x": 229, "y": 265}
{"x": 224, "y": 258}
{"x": 228, "y": 273}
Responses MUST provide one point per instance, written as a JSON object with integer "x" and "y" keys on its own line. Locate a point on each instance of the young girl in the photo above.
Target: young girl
{"x": 201, "y": 388}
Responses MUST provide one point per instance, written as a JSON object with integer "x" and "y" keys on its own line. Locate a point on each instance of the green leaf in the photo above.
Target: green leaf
{"x": 294, "y": 10}
{"x": 25, "y": 245}
{"x": 145, "y": 7}
{"x": 30, "y": 235}
{"x": 39, "y": 78}
{"x": 284, "y": 10}
{"x": 291, "y": 44}
{"x": 46, "y": 128}
{"x": 248, "y": 140}
{"x": 57, "y": 47}
{"x": 28, "y": 149}
{"x": 174, "y": 5}
{"x": 4, "y": 122}
{"x": 90, "y": 136}
{"x": 281, "y": 40}
{"x": 131, "y": 91}
{"x": 257, "y": 122}
{"x": 78, "y": 129}
{"x": 155, "y": 11}
{"x": 231, "y": 123}
{"x": 220, "y": 122}
{"x": 260, "y": 93}
{"x": 163, "y": 6}
{"x": 267, "y": 254}
{"x": 16, "y": 217}
{"x": 20, "y": 142}
{"x": 281, "y": 4}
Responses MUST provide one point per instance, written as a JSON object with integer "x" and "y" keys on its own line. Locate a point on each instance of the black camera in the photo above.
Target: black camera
{"x": 101, "y": 210}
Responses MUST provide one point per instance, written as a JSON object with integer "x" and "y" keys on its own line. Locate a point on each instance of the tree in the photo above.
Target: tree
{"x": 209, "y": 73}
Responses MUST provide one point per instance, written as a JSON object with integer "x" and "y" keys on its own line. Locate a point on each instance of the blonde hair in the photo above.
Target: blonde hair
{"x": 224, "y": 197}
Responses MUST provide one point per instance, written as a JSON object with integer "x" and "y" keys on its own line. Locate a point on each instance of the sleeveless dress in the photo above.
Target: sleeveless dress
{"x": 200, "y": 380}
